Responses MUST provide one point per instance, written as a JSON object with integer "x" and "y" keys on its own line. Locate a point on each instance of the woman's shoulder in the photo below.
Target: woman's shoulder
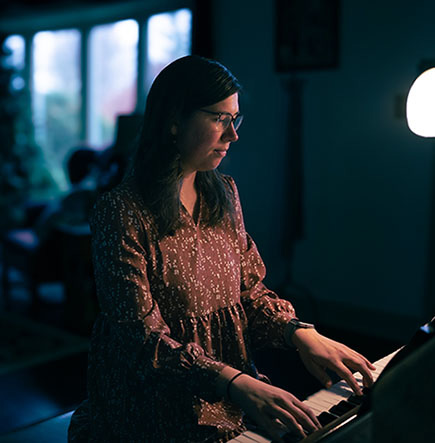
{"x": 231, "y": 186}
{"x": 122, "y": 200}
{"x": 229, "y": 182}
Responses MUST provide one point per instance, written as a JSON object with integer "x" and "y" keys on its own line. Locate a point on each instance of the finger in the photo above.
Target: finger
{"x": 367, "y": 383}
{"x": 363, "y": 369}
{"x": 368, "y": 363}
{"x": 347, "y": 375}
{"x": 362, "y": 361}
{"x": 317, "y": 371}
{"x": 278, "y": 413}
{"x": 356, "y": 355}
{"x": 311, "y": 414}
{"x": 294, "y": 413}
{"x": 293, "y": 427}
{"x": 276, "y": 428}
{"x": 367, "y": 379}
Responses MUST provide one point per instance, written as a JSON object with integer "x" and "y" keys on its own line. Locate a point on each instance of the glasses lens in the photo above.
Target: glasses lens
{"x": 238, "y": 121}
{"x": 224, "y": 121}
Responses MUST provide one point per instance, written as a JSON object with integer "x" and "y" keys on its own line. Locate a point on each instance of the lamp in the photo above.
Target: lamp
{"x": 399, "y": 388}
{"x": 420, "y": 114}
{"x": 420, "y": 105}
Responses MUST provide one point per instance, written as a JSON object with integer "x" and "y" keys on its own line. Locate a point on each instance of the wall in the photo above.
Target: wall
{"x": 367, "y": 178}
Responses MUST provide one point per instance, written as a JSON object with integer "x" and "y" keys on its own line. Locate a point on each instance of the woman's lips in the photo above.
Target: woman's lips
{"x": 221, "y": 152}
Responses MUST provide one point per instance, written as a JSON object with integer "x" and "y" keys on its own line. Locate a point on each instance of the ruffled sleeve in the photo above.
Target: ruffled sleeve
{"x": 267, "y": 314}
{"x": 120, "y": 241}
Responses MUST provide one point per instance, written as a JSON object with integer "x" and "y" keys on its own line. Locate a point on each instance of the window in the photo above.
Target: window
{"x": 168, "y": 39}
{"x": 112, "y": 77}
{"x": 56, "y": 87}
{"x": 82, "y": 78}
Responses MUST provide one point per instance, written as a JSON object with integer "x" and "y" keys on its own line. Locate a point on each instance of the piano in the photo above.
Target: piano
{"x": 346, "y": 417}
{"x": 335, "y": 407}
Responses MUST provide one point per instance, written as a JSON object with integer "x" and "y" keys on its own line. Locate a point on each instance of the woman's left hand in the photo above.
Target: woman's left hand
{"x": 319, "y": 353}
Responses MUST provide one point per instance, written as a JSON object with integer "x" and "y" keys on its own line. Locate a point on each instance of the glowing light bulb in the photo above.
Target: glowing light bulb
{"x": 420, "y": 105}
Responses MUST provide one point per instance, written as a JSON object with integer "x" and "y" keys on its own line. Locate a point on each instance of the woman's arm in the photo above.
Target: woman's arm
{"x": 269, "y": 318}
{"x": 267, "y": 314}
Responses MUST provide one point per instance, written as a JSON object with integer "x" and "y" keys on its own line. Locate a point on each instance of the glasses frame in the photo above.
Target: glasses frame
{"x": 235, "y": 120}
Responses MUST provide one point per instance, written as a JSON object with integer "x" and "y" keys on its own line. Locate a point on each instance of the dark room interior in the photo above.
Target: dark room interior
{"x": 337, "y": 192}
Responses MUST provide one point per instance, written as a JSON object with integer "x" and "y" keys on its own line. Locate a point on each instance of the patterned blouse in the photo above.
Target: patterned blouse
{"x": 174, "y": 312}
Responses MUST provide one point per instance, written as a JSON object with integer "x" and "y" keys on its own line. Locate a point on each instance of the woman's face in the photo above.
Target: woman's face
{"x": 203, "y": 141}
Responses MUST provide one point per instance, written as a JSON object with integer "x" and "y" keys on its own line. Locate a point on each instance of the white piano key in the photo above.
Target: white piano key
{"x": 341, "y": 389}
{"x": 242, "y": 438}
{"x": 239, "y": 439}
{"x": 251, "y": 437}
{"x": 328, "y": 396}
{"x": 320, "y": 402}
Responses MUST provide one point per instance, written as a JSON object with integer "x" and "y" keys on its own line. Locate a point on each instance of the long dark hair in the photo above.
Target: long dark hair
{"x": 184, "y": 86}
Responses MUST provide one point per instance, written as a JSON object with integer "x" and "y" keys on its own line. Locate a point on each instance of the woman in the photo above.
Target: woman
{"x": 179, "y": 283}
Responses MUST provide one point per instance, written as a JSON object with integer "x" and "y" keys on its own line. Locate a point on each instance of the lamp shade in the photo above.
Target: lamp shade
{"x": 420, "y": 105}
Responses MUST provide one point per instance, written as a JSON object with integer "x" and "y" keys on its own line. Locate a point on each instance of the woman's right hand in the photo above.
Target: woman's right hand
{"x": 273, "y": 409}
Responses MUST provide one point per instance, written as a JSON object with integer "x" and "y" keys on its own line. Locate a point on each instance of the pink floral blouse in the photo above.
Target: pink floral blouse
{"x": 174, "y": 312}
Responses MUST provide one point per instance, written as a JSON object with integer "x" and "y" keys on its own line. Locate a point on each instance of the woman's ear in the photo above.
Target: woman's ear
{"x": 174, "y": 129}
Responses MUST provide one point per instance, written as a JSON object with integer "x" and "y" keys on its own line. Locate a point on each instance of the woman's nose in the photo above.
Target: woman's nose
{"x": 230, "y": 134}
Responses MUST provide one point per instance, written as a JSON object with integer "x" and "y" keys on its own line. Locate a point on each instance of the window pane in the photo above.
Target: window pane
{"x": 113, "y": 78}
{"x": 56, "y": 96}
{"x": 169, "y": 37}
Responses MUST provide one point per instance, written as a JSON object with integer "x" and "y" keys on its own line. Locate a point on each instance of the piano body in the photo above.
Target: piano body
{"x": 401, "y": 407}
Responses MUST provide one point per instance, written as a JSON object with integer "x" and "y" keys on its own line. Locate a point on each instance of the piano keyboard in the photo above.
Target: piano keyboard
{"x": 321, "y": 402}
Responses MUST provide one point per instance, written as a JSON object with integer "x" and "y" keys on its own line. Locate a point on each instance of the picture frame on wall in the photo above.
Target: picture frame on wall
{"x": 307, "y": 34}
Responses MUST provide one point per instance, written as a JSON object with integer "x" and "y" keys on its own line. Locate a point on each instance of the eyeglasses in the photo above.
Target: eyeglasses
{"x": 224, "y": 120}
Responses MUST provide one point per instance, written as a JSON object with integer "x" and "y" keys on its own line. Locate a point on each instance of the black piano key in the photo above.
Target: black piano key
{"x": 326, "y": 418}
{"x": 341, "y": 408}
{"x": 356, "y": 399}
{"x": 291, "y": 437}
